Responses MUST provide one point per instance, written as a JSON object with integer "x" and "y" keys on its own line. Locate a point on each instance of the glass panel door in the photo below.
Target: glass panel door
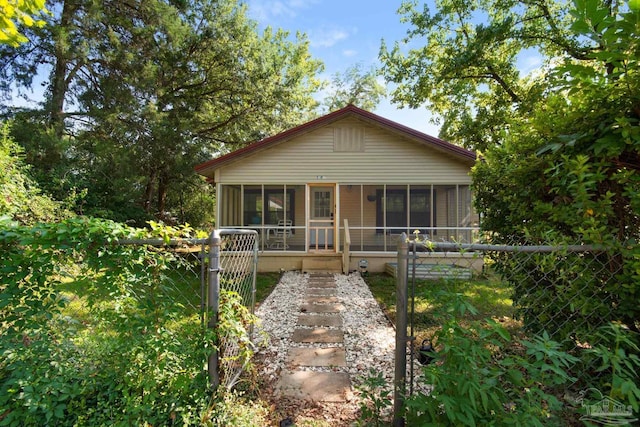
{"x": 321, "y": 221}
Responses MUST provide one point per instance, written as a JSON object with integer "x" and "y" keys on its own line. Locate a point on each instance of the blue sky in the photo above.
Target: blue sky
{"x": 343, "y": 33}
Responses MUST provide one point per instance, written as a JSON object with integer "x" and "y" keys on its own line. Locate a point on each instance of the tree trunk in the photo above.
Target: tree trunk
{"x": 163, "y": 184}
{"x": 148, "y": 191}
{"x": 59, "y": 82}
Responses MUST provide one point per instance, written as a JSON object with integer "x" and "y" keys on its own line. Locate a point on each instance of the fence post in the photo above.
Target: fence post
{"x": 399, "y": 382}
{"x": 213, "y": 303}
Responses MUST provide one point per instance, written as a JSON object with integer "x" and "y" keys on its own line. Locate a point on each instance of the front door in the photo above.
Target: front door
{"x": 321, "y": 218}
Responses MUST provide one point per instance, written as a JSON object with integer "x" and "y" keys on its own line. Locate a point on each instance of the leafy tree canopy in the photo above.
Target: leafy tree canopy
{"x": 20, "y": 197}
{"x": 355, "y": 86}
{"x": 560, "y": 147}
{"x": 140, "y": 92}
{"x": 462, "y": 61}
{"x": 20, "y": 12}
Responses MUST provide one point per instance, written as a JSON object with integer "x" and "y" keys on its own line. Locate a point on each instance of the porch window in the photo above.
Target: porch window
{"x": 278, "y": 206}
{"x": 394, "y": 208}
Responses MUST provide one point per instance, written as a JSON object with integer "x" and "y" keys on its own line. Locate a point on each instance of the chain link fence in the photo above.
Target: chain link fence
{"x": 567, "y": 292}
{"x": 233, "y": 267}
{"x": 196, "y": 276}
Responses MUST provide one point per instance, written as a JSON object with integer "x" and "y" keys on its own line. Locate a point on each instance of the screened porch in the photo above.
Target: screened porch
{"x": 310, "y": 217}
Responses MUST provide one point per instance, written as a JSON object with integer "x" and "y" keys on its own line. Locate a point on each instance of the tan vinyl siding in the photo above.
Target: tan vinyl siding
{"x": 386, "y": 158}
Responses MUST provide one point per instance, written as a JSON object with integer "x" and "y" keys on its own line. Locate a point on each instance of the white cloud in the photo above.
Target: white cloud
{"x": 266, "y": 11}
{"x": 529, "y": 60}
{"x": 327, "y": 37}
{"x": 349, "y": 52}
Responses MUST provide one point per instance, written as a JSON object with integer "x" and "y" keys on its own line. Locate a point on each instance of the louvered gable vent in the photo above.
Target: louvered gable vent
{"x": 348, "y": 139}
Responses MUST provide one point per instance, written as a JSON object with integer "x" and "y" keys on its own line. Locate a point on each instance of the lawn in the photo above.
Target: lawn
{"x": 265, "y": 282}
{"x": 488, "y": 294}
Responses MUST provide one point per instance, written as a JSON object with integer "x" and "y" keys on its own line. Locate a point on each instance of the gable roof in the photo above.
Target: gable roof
{"x": 207, "y": 168}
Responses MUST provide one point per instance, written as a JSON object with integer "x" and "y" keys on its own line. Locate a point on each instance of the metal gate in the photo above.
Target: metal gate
{"x": 233, "y": 260}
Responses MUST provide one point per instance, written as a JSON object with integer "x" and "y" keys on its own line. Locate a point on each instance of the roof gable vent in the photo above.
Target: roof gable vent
{"x": 348, "y": 139}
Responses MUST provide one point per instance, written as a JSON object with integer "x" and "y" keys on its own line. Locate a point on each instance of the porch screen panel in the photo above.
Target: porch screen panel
{"x": 371, "y": 233}
{"x": 229, "y": 200}
{"x": 253, "y": 205}
{"x": 420, "y": 209}
{"x": 268, "y": 205}
{"x": 351, "y": 204}
{"x": 466, "y": 213}
{"x": 279, "y": 206}
{"x": 391, "y": 209}
{"x": 400, "y": 213}
{"x": 351, "y": 208}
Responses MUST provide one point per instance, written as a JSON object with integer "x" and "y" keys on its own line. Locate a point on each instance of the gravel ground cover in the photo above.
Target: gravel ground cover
{"x": 369, "y": 341}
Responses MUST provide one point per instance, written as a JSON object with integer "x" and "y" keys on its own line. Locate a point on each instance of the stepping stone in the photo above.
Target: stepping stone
{"x": 331, "y": 356}
{"x": 319, "y": 275}
{"x": 321, "y": 308}
{"x": 315, "y": 386}
{"x": 320, "y": 320}
{"x": 318, "y": 335}
{"x": 321, "y": 300}
{"x": 322, "y": 284}
{"x": 329, "y": 292}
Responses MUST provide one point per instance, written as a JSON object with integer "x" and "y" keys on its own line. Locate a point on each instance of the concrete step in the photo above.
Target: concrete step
{"x": 322, "y": 292}
{"x": 321, "y": 300}
{"x": 320, "y": 320}
{"x": 318, "y": 335}
{"x": 331, "y": 356}
{"x": 322, "y": 284}
{"x": 321, "y": 308}
{"x": 315, "y": 386}
{"x": 332, "y": 263}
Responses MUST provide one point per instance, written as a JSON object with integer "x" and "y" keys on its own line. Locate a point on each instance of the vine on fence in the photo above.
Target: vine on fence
{"x": 96, "y": 333}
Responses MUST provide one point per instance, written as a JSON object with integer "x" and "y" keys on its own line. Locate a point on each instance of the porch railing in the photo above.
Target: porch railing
{"x": 346, "y": 248}
{"x": 321, "y": 235}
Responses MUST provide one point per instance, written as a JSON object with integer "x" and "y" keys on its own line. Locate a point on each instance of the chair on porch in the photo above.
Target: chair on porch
{"x": 277, "y": 236}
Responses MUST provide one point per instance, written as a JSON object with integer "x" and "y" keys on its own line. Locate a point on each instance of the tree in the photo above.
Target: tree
{"x": 158, "y": 86}
{"x": 20, "y": 197}
{"x": 355, "y": 86}
{"x": 202, "y": 81}
{"x": 467, "y": 72}
{"x": 23, "y": 13}
{"x": 560, "y": 148}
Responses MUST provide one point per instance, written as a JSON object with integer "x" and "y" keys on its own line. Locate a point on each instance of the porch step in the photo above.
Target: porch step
{"x": 332, "y": 264}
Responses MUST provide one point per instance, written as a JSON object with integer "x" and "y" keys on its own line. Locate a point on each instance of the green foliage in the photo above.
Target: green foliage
{"x": 176, "y": 83}
{"x": 356, "y": 86}
{"x": 569, "y": 174}
{"x": 618, "y": 365}
{"x": 375, "y": 400}
{"x": 236, "y": 322}
{"x": 97, "y": 333}
{"x": 20, "y": 197}
{"x": 233, "y": 409}
{"x": 21, "y": 12}
{"x": 461, "y": 60}
{"x": 484, "y": 376}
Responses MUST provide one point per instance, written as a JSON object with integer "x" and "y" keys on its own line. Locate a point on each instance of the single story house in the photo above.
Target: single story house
{"x": 341, "y": 189}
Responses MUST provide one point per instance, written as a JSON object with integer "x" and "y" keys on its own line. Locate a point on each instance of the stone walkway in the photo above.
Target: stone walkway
{"x": 323, "y": 335}
{"x": 317, "y": 342}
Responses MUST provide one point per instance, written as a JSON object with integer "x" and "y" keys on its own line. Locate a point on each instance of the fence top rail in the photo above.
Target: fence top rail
{"x": 162, "y": 242}
{"x": 507, "y": 248}
{"x": 183, "y": 242}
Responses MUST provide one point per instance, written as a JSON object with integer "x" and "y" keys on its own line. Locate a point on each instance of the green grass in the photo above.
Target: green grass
{"x": 488, "y": 294}
{"x": 265, "y": 282}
